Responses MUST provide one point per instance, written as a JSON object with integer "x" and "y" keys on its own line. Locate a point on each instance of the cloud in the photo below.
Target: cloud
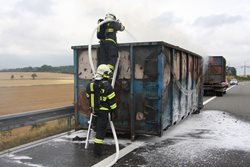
{"x": 166, "y": 19}
{"x": 57, "y": 58}
{"x": 35, "y": 7}
{"x": 37, "y": 32}
{"x": 217, "y": 20}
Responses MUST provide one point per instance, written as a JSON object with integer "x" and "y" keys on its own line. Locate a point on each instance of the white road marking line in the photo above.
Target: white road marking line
{"x": 230, "y": 87}
{"x": 208, "y": 100}
{"x": 31, "y": 145}
{"x": 212, "y": 98}
{"x": 123, "y": 152}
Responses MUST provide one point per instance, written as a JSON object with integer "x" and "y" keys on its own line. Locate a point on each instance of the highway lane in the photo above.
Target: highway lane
{"x": 218, "y": 136}
{"x": 211, "y": 138}
{"x": 236, "y": 102}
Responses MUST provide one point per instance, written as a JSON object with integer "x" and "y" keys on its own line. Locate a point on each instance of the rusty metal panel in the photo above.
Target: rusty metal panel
{"x": 158, "y": 85}
{"x": 216, "y": 70}
{"x": 84, "y": 69}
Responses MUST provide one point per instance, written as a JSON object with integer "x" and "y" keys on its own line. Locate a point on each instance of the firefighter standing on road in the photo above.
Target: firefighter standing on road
{"x": 102, "y": 102}
{"x": 108, "y": 52}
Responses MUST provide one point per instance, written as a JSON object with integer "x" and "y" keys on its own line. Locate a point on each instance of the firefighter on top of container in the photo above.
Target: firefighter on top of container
{"x": 102, "y": 102}
{"x": 108, "y": 52}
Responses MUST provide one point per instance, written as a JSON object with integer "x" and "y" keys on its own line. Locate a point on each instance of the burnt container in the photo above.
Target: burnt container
{"x": 158, "y": 85}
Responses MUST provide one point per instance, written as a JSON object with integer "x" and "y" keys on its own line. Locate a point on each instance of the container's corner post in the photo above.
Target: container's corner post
{"x": 76, "y": 86}
{"x": 131, "y": 106}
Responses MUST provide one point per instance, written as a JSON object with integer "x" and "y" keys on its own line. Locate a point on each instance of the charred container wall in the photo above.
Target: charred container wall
{"x": 159, "y": 84}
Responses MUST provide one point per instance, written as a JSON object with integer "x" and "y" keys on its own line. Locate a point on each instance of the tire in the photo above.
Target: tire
{"x": 219, "y": 94}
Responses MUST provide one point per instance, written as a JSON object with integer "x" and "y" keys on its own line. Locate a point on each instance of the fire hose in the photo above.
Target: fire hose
{"x": 113, "y": 83}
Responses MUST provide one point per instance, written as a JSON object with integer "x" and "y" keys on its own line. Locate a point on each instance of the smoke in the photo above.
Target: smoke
{"x": 205, "y": 64}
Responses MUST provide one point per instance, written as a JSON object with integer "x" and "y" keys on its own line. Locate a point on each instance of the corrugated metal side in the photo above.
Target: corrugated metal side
{"x": 183, "y": 88}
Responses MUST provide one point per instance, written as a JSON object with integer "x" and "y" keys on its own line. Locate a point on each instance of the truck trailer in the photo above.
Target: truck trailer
{"x": 215, "y": 76}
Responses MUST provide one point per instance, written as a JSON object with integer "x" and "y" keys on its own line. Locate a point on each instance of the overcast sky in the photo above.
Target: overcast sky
{"x": 38, "y": 32}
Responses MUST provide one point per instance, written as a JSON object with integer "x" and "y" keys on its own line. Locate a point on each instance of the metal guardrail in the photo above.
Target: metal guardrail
{"x": 8, "y": 122}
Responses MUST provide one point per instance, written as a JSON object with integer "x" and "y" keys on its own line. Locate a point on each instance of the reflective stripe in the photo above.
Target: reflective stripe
{"x": 92, "y": 99}
{"x": 104, "y": 108}
{"x": 109, "y": 39}
{"x": 113, "y": 106}
{"x": 110, "y": 30}
{"x": 105, "y": 76}
{"x": 98, "y": 141}
{"x": 110, "y": 96}
{"x": 102, "y": 90}
{"x": 102, "y": 98}
{"x": 92, "y": 87}
{"x": 111, "y": 67}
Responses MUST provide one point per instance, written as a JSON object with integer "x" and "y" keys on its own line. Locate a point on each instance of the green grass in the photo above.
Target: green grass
{"x": 241, "y": 78}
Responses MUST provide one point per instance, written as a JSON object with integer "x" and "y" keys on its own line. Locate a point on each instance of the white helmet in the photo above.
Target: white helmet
{"x": 110, "y": 16}
{"x": 103, "y": 71}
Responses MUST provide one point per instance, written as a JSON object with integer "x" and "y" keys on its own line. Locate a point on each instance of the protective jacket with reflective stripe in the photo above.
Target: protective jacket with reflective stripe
{"x": 111, "y": 30}
{"x": 101, "y": 96}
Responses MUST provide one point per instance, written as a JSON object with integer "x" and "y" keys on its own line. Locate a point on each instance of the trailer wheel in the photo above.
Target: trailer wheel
{"x": 220, "y": 94}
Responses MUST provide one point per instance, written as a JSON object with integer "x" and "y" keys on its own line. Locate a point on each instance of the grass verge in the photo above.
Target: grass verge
{"x": 23, "y": 135}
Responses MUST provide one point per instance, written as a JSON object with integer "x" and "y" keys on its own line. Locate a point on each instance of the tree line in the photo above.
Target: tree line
{"x": 231, "y": 71}
{"x": 70, "y": 69}
{"x": 44, "y": 68}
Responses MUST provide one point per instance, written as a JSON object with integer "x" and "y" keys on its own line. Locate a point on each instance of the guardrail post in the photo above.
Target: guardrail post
{"x": 69, "y": 124}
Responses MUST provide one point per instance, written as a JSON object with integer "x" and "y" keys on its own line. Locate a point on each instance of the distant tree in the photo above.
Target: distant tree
{"x": 231, "y": 71}
{"x": 44, "y": 68}
{"x": 33, "y": 76}
{"x": 12, "y": 77}
{"x": 27, "y": 69}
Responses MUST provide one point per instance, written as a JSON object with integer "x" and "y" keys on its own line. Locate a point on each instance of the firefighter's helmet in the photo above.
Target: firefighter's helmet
{"x": 110, "y": 16}
{"x": 103, "y": 71}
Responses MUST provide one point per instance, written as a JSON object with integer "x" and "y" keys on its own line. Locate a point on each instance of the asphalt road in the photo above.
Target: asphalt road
{"x": 230, "y": 109}
{"x": 236, "y": 102}
{"x": 218, "y": 136}
{"x": 218, "y": 144}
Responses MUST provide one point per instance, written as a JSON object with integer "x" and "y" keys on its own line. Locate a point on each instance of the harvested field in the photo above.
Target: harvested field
{"x": 21, "y": 94}
{"x": 25, "y": 79}
{"x": 48, "y": 90}
{"x": 27, "y": 98}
